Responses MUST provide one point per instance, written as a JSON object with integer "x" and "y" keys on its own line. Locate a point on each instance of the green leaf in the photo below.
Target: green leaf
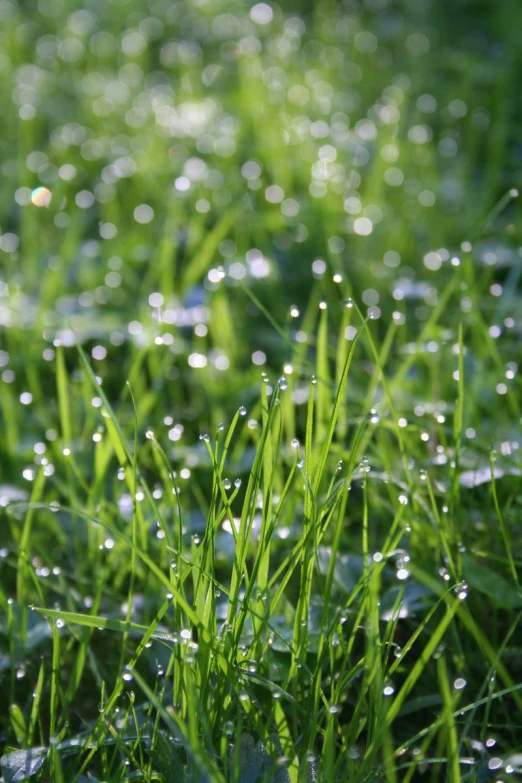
{"x": 18, "y": 723}
{"x": 22, "y": 764}
{"x": 255, "y": 764}
{"x": 166, "y": 760}
{"x": 479, "y": 576}
{"x": 93, "y": 621}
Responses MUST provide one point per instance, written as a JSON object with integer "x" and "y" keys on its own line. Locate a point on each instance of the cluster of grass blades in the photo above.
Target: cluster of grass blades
{"x": 283, "y": 645}
{"x": 260, "y": 448}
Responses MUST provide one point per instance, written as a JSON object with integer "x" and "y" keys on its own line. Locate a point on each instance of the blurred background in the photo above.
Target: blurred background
{"x": 158, "y": 158}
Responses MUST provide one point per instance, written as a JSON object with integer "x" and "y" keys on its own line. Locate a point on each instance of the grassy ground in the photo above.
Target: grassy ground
{"x": 260, "y": 313}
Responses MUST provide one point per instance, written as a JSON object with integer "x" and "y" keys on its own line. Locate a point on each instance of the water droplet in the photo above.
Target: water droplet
{"x": 348, "y": 303}
{"x": 374, "y": 416}
{"x": 283, "y": 383}
{"x": 459, "y": 683}
{"x": 313, "y": 380}
{"x": 422, "y": 475}
{"x": 333, "y": 710}
{"x": 461, "y": 591}
{"x": 227, "y": 483}
{"x": 242, "y": 410}
{"x": 229, "y": 728}
{"x": 295, "y": 443}
{"x": 364, "y": 467}
{"x": 403, "y": 499}
{"x": 195, "y": 539}
{"x": 237, "y": 483}
{"x": 388, "y": 689}
{"x": 221, "y": 427}
{"x": 301, "y": 463}
{"x": 204, "y": 437}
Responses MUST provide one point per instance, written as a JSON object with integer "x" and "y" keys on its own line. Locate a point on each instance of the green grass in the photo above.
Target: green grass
{"x": 260, "y": 450}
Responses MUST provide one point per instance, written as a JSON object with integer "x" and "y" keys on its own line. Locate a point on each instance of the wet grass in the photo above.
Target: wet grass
{"x": 260, "y": 399}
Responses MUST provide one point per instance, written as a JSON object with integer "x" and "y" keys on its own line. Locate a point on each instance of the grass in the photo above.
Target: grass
{"x": 260, "y": 457}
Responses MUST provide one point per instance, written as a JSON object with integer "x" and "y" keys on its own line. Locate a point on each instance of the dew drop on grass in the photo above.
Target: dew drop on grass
{"x": 301, "y": 463}
{"x": 229, "y": 728}
{"x": 374, "y": 416}
{"x": 242, "y": 410}
{"x": 348, "y": 303}
{"x": 388, "y": 689}
{"x": 403, "y": 499}
{"x": 295, "y": 443}
{"x": 237, "y": 483}
{"x": 461, "y": 591}
{"x": 204, "y": 437}
{"x": 364, "y": 467}
{"x": 422, "y": 475}
{"x": 252, "y": 667}
{"x": 221, "y": 427}
{"x": 459, "y": 683}
{"x": 333, "y": 710}
{"x": 227, "y": 483}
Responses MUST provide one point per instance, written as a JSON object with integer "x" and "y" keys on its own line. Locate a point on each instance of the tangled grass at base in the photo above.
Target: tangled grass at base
{"x": 260, "y": 312}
